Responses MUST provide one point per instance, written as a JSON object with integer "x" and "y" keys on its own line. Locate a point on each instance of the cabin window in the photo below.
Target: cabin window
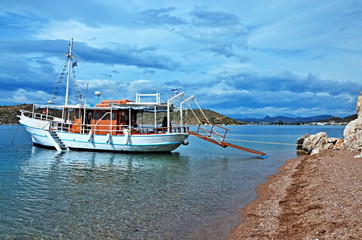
{"x": 88, "y": 117}
{"x": 105, "y": 115}
{"x": 124, "y": 117}
{"x": 113, "y": 116}
{"x": 78, "y": 114}
{"x": 96, "y": 116}
{"x": 134, "y": 118}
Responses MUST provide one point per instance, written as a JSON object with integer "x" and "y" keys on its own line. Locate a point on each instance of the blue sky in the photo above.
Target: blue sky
{"x": 240, "y": 58}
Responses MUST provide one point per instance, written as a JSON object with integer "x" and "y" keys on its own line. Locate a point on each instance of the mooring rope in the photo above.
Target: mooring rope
{"x": 237, "y": 135}
{"x": 288, "y": 144}
{"x": 16, "y": 131}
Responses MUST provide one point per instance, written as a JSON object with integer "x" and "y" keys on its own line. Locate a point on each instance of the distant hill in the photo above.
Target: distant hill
{"x": 8, "y": 115}
{"x": 293, "y": 120}
{"x": 340, "y": 120}
{"x": 190, "y": 119}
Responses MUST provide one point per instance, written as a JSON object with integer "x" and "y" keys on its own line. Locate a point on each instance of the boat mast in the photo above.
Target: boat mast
{"x": 70, "y": 62}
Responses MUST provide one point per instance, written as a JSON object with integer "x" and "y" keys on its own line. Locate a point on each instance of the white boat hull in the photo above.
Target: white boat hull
{"x": 129, "y": 143}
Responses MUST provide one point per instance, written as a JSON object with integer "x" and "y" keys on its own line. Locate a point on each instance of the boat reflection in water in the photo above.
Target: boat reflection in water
{"x": 87, "y": 195}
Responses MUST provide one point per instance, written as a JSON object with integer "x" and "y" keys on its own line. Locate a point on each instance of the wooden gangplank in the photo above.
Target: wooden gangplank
{"x": 226, "y": 144}
{"x": 205, "y": 138}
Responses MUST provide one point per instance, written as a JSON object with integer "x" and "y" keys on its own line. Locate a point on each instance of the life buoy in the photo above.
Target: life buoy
{"x": 45, "y": 111}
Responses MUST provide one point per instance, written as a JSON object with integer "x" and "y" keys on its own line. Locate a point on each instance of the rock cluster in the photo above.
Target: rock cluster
{"x": 313, "y": 144}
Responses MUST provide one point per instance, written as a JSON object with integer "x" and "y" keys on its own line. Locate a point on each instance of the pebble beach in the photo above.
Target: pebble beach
{"x": 312, "y": 197}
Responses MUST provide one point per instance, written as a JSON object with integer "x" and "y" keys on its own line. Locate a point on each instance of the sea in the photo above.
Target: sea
{"x": 195, "y": 192}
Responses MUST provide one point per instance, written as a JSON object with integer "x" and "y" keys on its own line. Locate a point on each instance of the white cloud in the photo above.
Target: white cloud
{"x": 20, "y": 96}
{"x": 102, "y": 36}
{"x": 267, "y": 56}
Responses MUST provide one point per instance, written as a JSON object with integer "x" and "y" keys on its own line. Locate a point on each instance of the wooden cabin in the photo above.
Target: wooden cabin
{"x": 103, "y": 118}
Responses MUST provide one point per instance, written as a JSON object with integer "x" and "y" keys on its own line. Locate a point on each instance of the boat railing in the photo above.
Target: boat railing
{"x": 114, "y": 129}
{"x": 59, "y": 125}
{"x": 39, "y": 116}
{"x": 210, "y": 130}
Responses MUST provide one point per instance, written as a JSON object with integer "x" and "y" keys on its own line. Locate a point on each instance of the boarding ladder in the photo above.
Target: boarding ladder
{"x": 57, "y": 142}
{"x": 209, "y": 132}
{"x": 206, "y": 130}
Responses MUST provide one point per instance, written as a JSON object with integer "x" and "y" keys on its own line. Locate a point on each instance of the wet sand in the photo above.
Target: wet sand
{"x": 313, "y": 197}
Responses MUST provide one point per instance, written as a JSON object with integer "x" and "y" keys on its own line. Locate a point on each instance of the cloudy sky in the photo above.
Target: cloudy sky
{"x": 241, "y": 58}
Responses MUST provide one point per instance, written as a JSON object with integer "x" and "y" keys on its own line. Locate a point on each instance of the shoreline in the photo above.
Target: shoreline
{"x": 312, "y": 197}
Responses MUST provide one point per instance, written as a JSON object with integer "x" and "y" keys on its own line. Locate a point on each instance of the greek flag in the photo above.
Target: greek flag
{"x": 176, "y": 90}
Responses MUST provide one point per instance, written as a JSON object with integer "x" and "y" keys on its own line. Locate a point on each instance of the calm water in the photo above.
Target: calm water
{"x": 195, "y": 192}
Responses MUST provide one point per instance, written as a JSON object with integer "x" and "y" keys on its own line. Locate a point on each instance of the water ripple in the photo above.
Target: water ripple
{"x": 194, "y": 193}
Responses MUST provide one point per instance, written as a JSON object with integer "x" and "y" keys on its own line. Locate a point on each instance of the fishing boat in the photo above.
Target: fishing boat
{"x": 111, "y": 125}
{"x": 117, "y": 125}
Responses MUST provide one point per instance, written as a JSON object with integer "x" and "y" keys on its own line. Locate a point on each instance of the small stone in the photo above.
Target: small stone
{"x": 314, "y": 151}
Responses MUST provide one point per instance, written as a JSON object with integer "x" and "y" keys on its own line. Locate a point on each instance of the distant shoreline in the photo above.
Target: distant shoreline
{"x": 312, "y": 197}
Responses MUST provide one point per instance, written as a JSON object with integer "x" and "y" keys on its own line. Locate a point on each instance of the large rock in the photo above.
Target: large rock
{"x": 359, "y": 105}
{"x": 353, "y": 131}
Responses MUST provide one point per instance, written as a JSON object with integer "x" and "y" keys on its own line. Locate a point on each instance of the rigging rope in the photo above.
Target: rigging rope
{"x": 198, "y": 120}
{"x": 77, "y": 95}
{"x": 201, "y": 110}
{"x": 51, "y": 83}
